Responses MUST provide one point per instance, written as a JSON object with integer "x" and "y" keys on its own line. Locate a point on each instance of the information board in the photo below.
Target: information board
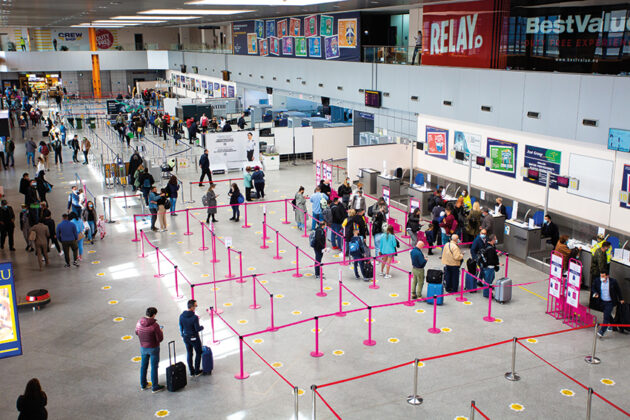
{"x": 556, "y": 266}
{"x": 385, "y": 193}
{"x": 10, "y": 338}
{"x": 230, "y": 148}
{"x": 414, "y": 203}
{"x": 545, "y": 161}
{"x": 573, "y": 283}
{"x": 502, "y": 157}
{"x": 318, "y": 172}
{"x": 554, "y": 287}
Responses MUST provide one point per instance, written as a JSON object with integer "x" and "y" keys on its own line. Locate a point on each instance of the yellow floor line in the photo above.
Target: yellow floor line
{"x": 533, "y": 293}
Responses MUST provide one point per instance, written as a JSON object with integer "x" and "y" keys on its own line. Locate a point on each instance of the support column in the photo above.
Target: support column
{"x": 96, "y": 68}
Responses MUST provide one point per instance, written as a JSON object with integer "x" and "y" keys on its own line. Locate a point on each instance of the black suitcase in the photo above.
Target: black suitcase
{"x": 622, "y": 317}
{"x": 434, "y": 276}
{"x": 253, "y": 195}
{"x": 368, "y": 269}
{"x": 175, "y": 373}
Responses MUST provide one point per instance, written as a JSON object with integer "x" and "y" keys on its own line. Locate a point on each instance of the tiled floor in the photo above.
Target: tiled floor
{"x": 77, "y": 345}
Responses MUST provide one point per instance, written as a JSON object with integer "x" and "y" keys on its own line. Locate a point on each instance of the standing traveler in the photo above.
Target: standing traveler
{"x": 48, "y": 221}
{"x": 300, "y": 208}
{"x": 357, "y": 202}
{"x": 339, "y": 214}
{"x": 241, "y": 125}
{"x": 489, "y": 263}
{"x": 172, "y": 189}
{"x": 90, "y": 217}
{"x": 39, "y": 234}
{"x": 317, "y": 241}
{"x": 473, "y": 222}
{"x": 77, "y": 221}
{"x": 30, "y": 151}
{"x": 478, "y": 245}
{"x": 487, "y": 222}
{"x": 135, "y": 161}
{"x": 413, "y": 225}
{"x": 154, "y": 197}
{"x": 448, "y": 225}
{"x": 74, "y": 201}
{"x": 418, "y": 262}
{"x": 379, "y": 222}
{"x": 190, "y": 328}
{"x": 247, "y": 183}
{"x": 599, "y": 262}
{"x": 344, "y": 191}
{"x": 316, "y": 205}
{"x": 259, "y": 181}
{"x": 236, "y": 199}
{"x": 357, "y": 250}
{"x": 67, "y": 235}
{"x": 25, "y": 183}
{"x": 452, "y": 258}
{"x": 7, "y": 224}
{"x": 162, "y": 200}
{"x": 10, "y": 150}
{"x": 150, "y": 335}
{"x": 75, "y": 146}
{"x": 210, "y": 201}
{"x": 85, "y": 148}
{"x": 57, "y": 148}
{"x": 204, "y": 164}
{"x": 388, "y": 246}
{"x": 146, "y": 182}
{"x": 607, "y": 290}
{"x": 32, "y": 404}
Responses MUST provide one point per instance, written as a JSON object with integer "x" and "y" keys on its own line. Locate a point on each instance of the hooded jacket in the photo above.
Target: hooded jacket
{"x": 149, "y": 332}
{"x": 189, "y": 324}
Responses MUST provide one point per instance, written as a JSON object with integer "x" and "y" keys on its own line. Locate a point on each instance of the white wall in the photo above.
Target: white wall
{"x": 331, "y": 142}
{"x": 373, "y": 156}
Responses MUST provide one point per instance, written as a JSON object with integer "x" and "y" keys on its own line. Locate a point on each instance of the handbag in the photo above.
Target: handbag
{"x": 32, "y": 235}
{"x": 81, "y": 236}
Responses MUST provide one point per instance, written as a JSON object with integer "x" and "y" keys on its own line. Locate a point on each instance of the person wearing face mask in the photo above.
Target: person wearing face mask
{"x": 89, "y": 216}
{"x": 32, "y": 202}
{"x": 499, "y": 208}
{"x": 467, "y": 201}
{"x": 607, "y": 290}
{"x": 345, "y": 191}
{"x": 478, "y": 244}
{"x": 74, "y": 201}
{"x": 489, "y": 263}
{"x": 550, "y": 230}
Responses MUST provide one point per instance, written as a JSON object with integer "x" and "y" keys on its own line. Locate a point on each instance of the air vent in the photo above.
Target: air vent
{"x": 262, "y": 77}
{"x": 361, "y": 90}
{"x": 303, "y": 82}
{"x": 240, "y": 73}
{"x": 250, "y": 75}
{"x": 386, "y": 94}
{"x": 486, "y": 108}
{"x": 274, "y": 78}
{"x": 288, "y": 80}
{"x": 414, "y": 98}
{"x": 339, "y": 87}
{"x": 320, "y": 84}
{"x": 532, "y": 114}
{"x": 590, "y": 123}
{"x": 447, "y": 103}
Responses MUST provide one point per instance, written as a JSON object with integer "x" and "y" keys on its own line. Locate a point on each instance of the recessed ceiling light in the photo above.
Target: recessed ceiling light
{"x": 87, "y": 25}
{"x": 122, "y": 22}
{"x": 259, "y": 2}
{"x": 191, "y": 12}
{"x": 163, "y": 17}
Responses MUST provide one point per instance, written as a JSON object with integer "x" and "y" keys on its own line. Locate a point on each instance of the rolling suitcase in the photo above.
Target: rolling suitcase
{"x": 503, "y": 290}
{"x": 207, "y": 360}
{"x": 368, "y": 269}
{"x": 434, "y": 289}
{"x": 175, "y": 373}
{"x": 470, "y": 283}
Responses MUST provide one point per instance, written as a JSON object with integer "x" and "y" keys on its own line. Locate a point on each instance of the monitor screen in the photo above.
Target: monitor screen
{"x": 563, "y": 181}
{"x": 373, "y": 98}
{"x": 533, "y": 174}
{"x": 459, "y": 155}
{"x": 481, "y": 161}
{"x": 619, "y": 140}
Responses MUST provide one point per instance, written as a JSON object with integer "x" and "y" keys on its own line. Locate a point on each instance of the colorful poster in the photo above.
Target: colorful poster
{"x": 295, "y": 27}
{"x": 437, "y": 142}
{"x": 327, "y": 169}
{"x": 347, "y": 32}
{"x": 210, "y": 89}
{"x": 282, "y": 28}
{"x": 223, "y": 91}
{"x": 554, "y": 286}
{"x": 625, "y": 185}
{"x": 332, "y": 47}
{"x": 274, "y": 46}
{"x": 259, "y": 27}
{"x": 385, "y": 193}
{"x": 263, "y": 47}
{"x": 270, "y": 29}
{"x": 300, "y": 46}
{"x": 315, "y": 46}
{"x": 325, "y": 25}
{"x": 545, "y": 161}
{"x": 467, "y": 143}
{"x": 318, "y": 172}
{"x": 252, "y": 44}
{"x": 414, "y": 204}
{"x": 230, "y": 91}
{"x": 10, "y": 338}
{"x": 573, "y": 283}
{"x": 310, "y": 26}
{"x": 502, "y": 157}
{"x": 217, "y": 88}
{"x": 204, "y": 84}
{"x": 287, "y": 45}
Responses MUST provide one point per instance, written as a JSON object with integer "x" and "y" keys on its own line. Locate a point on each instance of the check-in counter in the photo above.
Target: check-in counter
{"x": 422, "y": 194}
{"x": 498, "y": 226}
{"x": 520, "y": 239}
{"x": 368, "y": 178}
{"x": 388, "y": 181}
{"x": 619, "y": 269}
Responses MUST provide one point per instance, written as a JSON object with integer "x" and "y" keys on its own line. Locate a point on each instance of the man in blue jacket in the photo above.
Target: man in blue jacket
{"x": 189, "y": 328}
{"x": 608, "y": 291}
{"x": 67, "y": 235}
{"x": 478, "y": 244}
{"x": 418, "y": 261}
{"x": 316, "y": 201}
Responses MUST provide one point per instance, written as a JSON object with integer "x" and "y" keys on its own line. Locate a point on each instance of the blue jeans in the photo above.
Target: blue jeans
{"x": 92, "y": 230}
{"x": 319, "y": 254}
{"x": 317, "y": 217}
{"x": 445, "y": 238}
{"x": 193, "y": 343}
{"x": 80, "y": 244}
{"x": 10, "y": 159}
{"x": 152, "y": 353}
{"x": 336, "y": 239}
{"x": 488, "y": 277}
{"x": 607, "y": 309}
{"x": 30, "y": 158}
{"x": 360, "y": 264}
{"x": 173, "y": 201}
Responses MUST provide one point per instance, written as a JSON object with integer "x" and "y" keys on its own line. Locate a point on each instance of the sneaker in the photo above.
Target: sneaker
{"x": 76, "y": 264}
{"x": 600, "y": 334}
{"x": 66, "y": 265}
{"x": 158, "y": 389}
{"x": 335, "y": 247}
{"x": 381, "y": 274}
{"x": 388, "y": 276}
{"x": 610, "y": 328}
{"x": 366, "y": 279}
{"x": 144, "y": 388}
{"x": 414, "y": 297}
{"x": 198, "y": 373}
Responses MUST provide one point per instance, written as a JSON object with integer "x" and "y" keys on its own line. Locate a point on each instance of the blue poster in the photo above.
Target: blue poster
{"x": 545, "y": 161}
{"x": 314, "y": 46}
{"x": 230, "y": 91}
{"x": 260, "y": 28}
{"x": 270, "y": 28}
{"x": 10, "y": 339}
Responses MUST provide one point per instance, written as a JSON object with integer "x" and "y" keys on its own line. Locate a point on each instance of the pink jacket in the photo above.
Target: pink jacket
{"x": 149, "y": 332}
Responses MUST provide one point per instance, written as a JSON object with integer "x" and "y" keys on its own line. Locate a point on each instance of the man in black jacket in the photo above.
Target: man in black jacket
{"x": 550, "y": 230}
{"x": 204, "y": 164}
{"x": 339, "y": 214}
{"x": 488, "y": 260}
{"x": 607, "y": 290}
{"x": 319, "y": 243}
{"x": 190, "y": 328}
{"x": 25, "y": 183}
{"x": 7, "y": 224}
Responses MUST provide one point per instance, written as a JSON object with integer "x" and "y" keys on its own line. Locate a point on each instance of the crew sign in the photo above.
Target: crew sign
{"x": 10, "y": 339}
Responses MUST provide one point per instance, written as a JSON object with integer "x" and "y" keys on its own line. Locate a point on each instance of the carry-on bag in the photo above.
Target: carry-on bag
{"x": 503, "y": 290}
{"x": 175, "y": 372}
{"x": 207, "y": 360}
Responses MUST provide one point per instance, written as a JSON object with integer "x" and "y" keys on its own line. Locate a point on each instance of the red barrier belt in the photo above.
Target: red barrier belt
{"x": 261, "y": 358}
{"x": 556, "y": 332}
{"x": 559, "y": 371}
{"x": 481, "y": 412}
{"x": 366, "y": 374}
{"x": 327, "y": 405}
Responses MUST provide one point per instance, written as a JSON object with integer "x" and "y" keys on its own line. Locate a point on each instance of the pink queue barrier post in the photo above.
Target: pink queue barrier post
{"x": 264, "y": 235}
{"x": 369, "y": 341}
{"x": 345, "y": 261}
{"x": 409, "y": 302}
{"x": 157, "y": 254}
{"x": 214, "y": 245}
{"x": 142, "y": 244}
{"x": 374, "y": 286}
{"x": 177, "y": 295}
{"x": 507, "y": 260}
{"x": 240, "y": 268}
{"x": 246, "y": 225}
{"x": 135, "y": 229}
{"x": 277, "y": 256}
{"x": 461, "y": 297}
{"x": 305, "y": 228}
{"x": 217, "y": 310}
{"x": 433, "y": 329}
{"x": 192, "y": 291}
{"x": 272, "y": 328}
{"x": 203, "y": 238}
{"x": 254, "y": 305}
{"x": 286, "y": 212}
{"x": 489, "y": 317}
{"x": 188, "y": 232}
{"x": 405, "y": 226}
{"x": 370, "y": 234}
{"x": 316, "y": 353}
{"x": 321, "y": 292}
{"x": 229, "y": 275}
{"x": 340, "y": 313}
{"x": 242, "y": 374}
{"x": 211, "y": 312}
{"x": 297, "y": 263}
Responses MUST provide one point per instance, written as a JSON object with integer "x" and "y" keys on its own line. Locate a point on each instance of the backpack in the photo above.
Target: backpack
{"x": 167, "y": 204}
{"x": 45, "y": 150}
{"x": 204, "y": 200}
{"x": 355, "y": 246}
{"x": 371, "y": 210}
{"x": 294, "y": 203}
{"x": 146, "y": 183}
{"x": 311, "y": 239}
{"x": 240, "y": 199}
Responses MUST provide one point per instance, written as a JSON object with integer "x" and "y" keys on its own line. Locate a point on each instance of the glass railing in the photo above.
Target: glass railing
{"x": 390, "y": 54}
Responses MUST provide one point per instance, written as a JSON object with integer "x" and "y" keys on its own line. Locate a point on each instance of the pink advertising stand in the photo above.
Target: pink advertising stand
{"x": 327, "y": 171}
{"x": 575, "y": 315}
{"x": 555, "y": 293}
{"x": 385, "y": 193}
{"x": 414, "y": 204}
{"x": 318, "y": 172}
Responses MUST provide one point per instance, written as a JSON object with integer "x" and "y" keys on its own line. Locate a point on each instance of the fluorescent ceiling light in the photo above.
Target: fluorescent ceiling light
{"x": 155, "y": 17}
{"x": 124, "y": 22}
{"x": 87, "y": 25}
{"x": 192, "y": 12}
{"x": 259, "y": 2}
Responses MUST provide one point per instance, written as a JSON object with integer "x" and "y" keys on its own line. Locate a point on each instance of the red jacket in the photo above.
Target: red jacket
{"x": 149, "y": 332}
{"x": 449, "y": 224}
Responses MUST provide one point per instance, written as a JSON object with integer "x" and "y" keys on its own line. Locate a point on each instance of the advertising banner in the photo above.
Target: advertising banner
{"x": 554, "y": 287}
{"x": 414, "y": 204}
{"x": 437, "y": 142}
{"x": 10, "y": 338}
{"x": 385, "y": 193}
{"x": 327, "y": 168}
{"x": 573, "y": 283}
{"x": 325, "y": 37}
{"x": 545, "y": 161}
{"x": 318, "y": 172}
{"x": 625, "y": 184}
{"x": 467, "y": 143}
{"x": 230, "y": 148}
{"x": 502, "y": 157}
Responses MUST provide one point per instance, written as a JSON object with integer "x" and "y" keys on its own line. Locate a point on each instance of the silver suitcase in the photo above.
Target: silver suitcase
{"x": 503, "y": 290}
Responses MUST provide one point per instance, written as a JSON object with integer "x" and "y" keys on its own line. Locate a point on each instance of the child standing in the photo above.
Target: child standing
{"x": 357, "y": 249}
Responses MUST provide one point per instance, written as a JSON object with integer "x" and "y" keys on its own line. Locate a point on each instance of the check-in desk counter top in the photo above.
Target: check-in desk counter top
{"x": 498, "y": 226}
{"x": 520, "y": 239}
{"x": 422, "y": 194}
{"x": 619, "y": 269}
{"x": 388, "y": 181}
{"x": 369, "y": 176}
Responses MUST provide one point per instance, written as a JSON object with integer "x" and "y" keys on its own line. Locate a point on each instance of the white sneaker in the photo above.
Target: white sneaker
{"x": 388, "y": 276}
{"x": 381, "y": 274}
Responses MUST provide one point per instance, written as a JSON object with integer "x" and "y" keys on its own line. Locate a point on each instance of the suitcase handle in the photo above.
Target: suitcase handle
{"x": 169, "y": 353}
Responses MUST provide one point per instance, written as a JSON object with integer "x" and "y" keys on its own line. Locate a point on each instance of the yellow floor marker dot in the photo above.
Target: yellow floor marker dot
{"x": 420, "y": 311}
{"x": 220, "y": 237}
{"x": 196, "y": 263}
{"x": 567, "y": 392}
{"x": 106, "y": 287}
{"x": 162, "y": 413}
{"x": 366, "y": 320}
{"x": 338, "y": 352}
{"x": 227, "y": 304}
{"x": 96, "y": 262}
{"x": 394, "y": 295}
{"x": 264, "y": 282}
{"x": 136, "y": 359}
{"x": 91, "y": 251}
{"x": 293, "y": 262}
{"x": 258, "y": 232}
{"x": 251, "y": 269}
{"x": 468, "y": 302}
{"x": 112, "y": 302}
{"x": 282, "y": 251}
{"x": 338, "y": 256}
{"x": 126, "y": 337}
{"x": 296, "y": 313}
{"x": 517, "y": 407}
{"x": 205, "y": 275}
{"x": 258, "y": 341}
{"x": 269, "y": 241}
{"x": 345, "y": 303}
{"x": 242, "y": 321}
{"x": 461, "y": 418}
{"x": 327, "y": 288}
{"x": 272, "y": 212}
{"x": 196, "y": 213}
{"x": 532, "y": 340}
{"x": 173, "y": 233}
{"x": 119, "y": 319}
{"x": 308, "y": 275}
{"x": 498, "y": 320}
{"x": 300, "y": 392}
{"x": 280, "y": 296}
{"x": 277, "y": 364}
{"x": 180, "y": 242}
{"x": 318, "y": 330}
{"x": 607, "y": 382}
{"x": 187, "y": 252}
{"x": 446, "y": 329}
{"x": 276, "y": 191}
{"x": 216, "y": 289}
{"x": 393, "y": 340}
{"x": 420, "y": 364}
{"x": 293, "y": 227}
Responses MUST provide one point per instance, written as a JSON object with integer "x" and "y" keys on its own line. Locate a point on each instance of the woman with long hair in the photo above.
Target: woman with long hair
{"x": 235, "y": 195}
{"x": 388, "y": 248}
{"x": 32, "y": 404}
{"x": 172, "y": 187}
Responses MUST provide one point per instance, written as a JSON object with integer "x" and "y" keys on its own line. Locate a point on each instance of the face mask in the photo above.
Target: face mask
{"x": 546, "y": 222}
{"x": 482, "y": 236}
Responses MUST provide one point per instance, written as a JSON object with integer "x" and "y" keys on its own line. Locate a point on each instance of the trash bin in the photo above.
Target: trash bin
{"x": 92, "y": 122}
{"x": 71, "y": 121}
{"x": 79, "y": 125}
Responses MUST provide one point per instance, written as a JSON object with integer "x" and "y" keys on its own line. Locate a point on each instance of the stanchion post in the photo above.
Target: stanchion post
{"x": 340, "y": 313}
{"x": 264, "y": 225}
{"x": 142, "y": 244}
{"x": 316, "y": 353}
{"x": 507, "y": 260}
{"x": 297, "y": 263}
{"x": 273, "y": 326}
{"x": 370, "y": 233}
{"x": 406, "y": 236}
{"x": 305, "y": 235}
{"x": 314, "y": 408}
{"x": 229, "y": 257}
{"x": 277, "y": 256}
{"x": 203, "y": 238}
{"x": 157, "y": 254}
{"x": 374, "y": 285}
{"x": 369, "y": 341}
{"x": 472, "y": 410}
{"x": 135, "y": 229}
{"x": 489, "y": 317}
{"x": 254, "y": 305}
{"x": 592, "y": 359}
{"x": 191, "y": 194}
{"x": 409, "y": 301}
{"x": 589, "y": 398}
{"x": 512, "y": 375}
{"x": 177, "y": 295}
{"x": 188, "y": 232}
{"x": 286, "y": 212}
{"x": 211, "y": 310}
{"x": 109, "y": 206}
{"x": 242, "y": 374}
{"x": 321, "y": 292}
{"x": 345, "y": 261}
{"x": 461, "y": 297}
{"x": 295, "y": 403}
{"x": 246, "y": 225}
{"x": 214, "y": 245}
{"x": 434, "y": 329}
{"x": 414, "y": 398}
{"x": 240, "y": 268}
{"x": 192, "y": 291}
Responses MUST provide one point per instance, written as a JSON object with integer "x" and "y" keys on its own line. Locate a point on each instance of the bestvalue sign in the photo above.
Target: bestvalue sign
{"x": 463, "y": 34}
{"x": 583, "y": 23}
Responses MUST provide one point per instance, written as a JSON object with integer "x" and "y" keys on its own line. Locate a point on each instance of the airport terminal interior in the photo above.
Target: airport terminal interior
{"x": 314, "y": 209}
